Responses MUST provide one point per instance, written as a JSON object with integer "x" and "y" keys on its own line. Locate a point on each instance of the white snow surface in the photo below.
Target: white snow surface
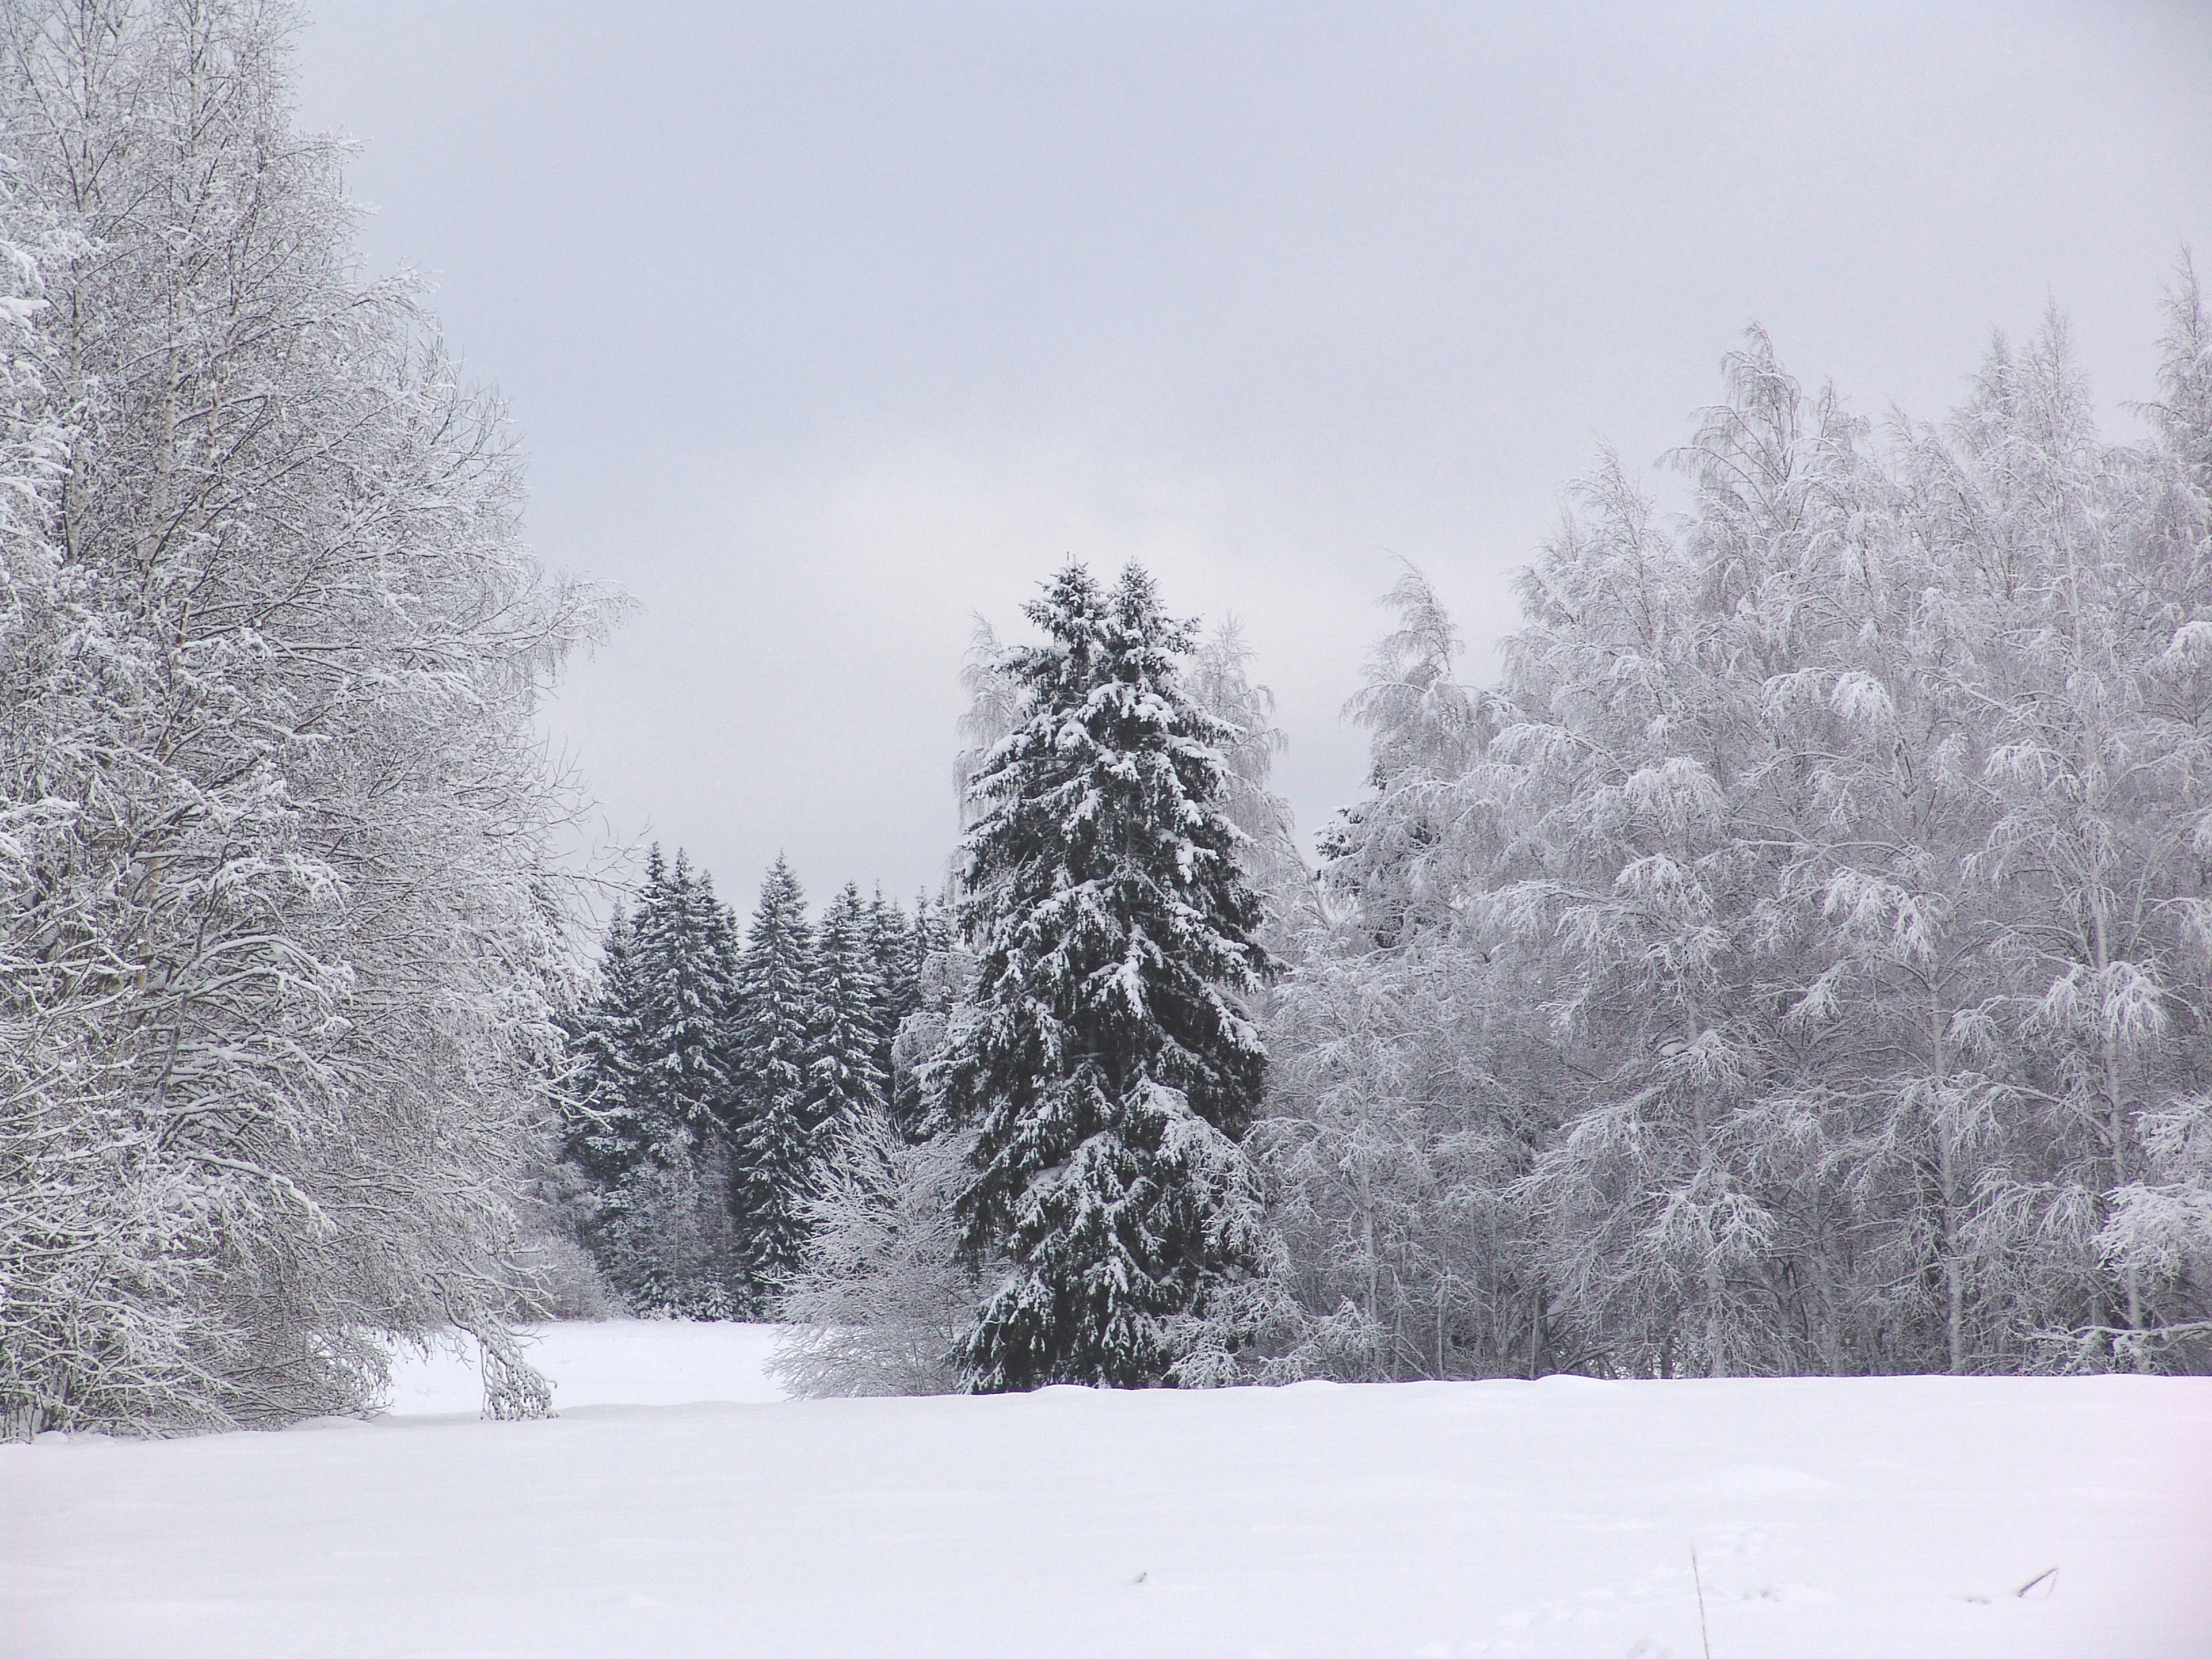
{"x": 624, "y": 1361}
{"x": 1831, "y": 1517}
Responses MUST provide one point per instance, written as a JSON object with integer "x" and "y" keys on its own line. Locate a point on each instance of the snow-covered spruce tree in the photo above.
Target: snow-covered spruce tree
{"x": 280, "y": 941}
{"x": 655, "y": 1093}
{"x": 685, "y": 964}
{"x": 607, "y": 1131}
{"x": 894, "y": 951}
{"x": 943, "y": 989}
{"x": 1110, "y": 1066}
{"x": 843, "y": 1078}
{"x": 773, "y": 1144}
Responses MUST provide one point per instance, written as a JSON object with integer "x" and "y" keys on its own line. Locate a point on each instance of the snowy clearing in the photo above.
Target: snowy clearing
{"x": 625, "y": 1362}
{"x": 1843, "y": 1517}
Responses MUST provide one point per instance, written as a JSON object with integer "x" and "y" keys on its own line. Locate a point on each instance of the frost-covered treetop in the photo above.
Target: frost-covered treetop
{"x": 1103, "y": 874}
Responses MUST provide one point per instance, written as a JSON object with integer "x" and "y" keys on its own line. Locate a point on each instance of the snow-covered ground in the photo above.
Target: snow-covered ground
{"x": 1867, "y": 1519}
{"x": 641, "y": 1362}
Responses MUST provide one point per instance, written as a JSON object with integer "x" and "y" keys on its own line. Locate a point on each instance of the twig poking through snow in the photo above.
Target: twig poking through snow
{"x": 1698, "y": 1578}
{"x": 2051, "y": 1573}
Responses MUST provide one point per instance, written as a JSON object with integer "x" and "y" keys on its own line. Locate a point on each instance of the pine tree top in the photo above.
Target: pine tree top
{"x": 1103, "y": 890}
{"x": 775, "y": 992}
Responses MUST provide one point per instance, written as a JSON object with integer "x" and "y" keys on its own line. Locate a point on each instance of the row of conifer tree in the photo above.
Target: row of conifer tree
{"x": 713, "y": 1060}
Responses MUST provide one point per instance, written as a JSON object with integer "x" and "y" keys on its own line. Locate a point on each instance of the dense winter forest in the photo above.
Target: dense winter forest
{"x": 1798, "y": 961}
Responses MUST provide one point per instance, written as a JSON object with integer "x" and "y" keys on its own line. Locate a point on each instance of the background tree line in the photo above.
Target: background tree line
{"x": 1796, "y": 963}
{"x": 710, "y": 1070}
{"x": 995, "y": 1147}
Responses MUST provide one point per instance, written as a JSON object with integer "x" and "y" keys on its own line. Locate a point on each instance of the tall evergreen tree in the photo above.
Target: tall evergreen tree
{"x": 935, "y": 927}
{"x": 844, "y": 1078}
{"x": 654, "y": 1091}
{"x": 1110, "y": 1066}
{"x": 606, "y": 1133}
{"x": 773, "y": 1140}
{"x": 891, "y": 946}
{"x": 922, "y": 1029}
{"x": 683, "y": 956}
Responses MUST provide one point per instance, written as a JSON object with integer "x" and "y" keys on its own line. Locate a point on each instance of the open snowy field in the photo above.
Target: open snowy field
{"x": 1868, "y": 1519}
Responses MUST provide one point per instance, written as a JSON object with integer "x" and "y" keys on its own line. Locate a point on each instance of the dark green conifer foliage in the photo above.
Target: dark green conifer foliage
{"x": 653, "y": 1042}
{"x": 935, "y": 929}
{"x": 1110, "y": 1066}
{"x": 927, "y": 936}
{"x": 773, "y": 1144}
{"x": 683, "y": 954}
{"x": 891, "y": 946}
{"x": 606, "y": 1134}
{"x": 844, "y": 1076}
{"x": 655, "y": 1090}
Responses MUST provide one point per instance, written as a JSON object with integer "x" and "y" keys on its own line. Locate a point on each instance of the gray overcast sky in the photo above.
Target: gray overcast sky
{"x": 826, "y": 326}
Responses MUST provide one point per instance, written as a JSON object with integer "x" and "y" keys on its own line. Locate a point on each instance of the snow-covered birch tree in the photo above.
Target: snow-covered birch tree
{"x": 1817, "y": 902}
{"x": 283, "y": 946}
